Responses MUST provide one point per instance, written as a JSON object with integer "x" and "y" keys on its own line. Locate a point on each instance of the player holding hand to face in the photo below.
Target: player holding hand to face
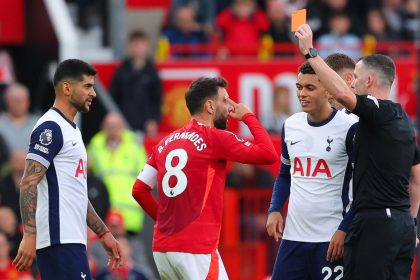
{"x": 189, "y": 169}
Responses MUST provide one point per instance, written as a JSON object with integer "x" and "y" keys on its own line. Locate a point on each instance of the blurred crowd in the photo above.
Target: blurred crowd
{"x": 251, "y": 27}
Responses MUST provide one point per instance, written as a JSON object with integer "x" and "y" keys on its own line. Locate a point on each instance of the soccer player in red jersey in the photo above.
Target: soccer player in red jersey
{"x": 189, "y": 169}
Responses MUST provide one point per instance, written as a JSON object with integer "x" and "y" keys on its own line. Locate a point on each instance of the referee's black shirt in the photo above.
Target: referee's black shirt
{"x": 384, "y": 151}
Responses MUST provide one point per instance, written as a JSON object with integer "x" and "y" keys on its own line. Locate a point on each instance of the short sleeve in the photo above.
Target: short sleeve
{"x": 46, "y": 142}
{"x": 372, "y": 110}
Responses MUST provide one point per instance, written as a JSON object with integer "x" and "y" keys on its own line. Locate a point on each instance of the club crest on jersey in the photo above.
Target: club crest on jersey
{"x": 46, "y": 137}
{"x": 329, "y": 141}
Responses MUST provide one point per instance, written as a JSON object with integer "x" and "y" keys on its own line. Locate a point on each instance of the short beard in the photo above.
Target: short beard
{"x": 80, "y": 107}
{"x": 220, "y": 123}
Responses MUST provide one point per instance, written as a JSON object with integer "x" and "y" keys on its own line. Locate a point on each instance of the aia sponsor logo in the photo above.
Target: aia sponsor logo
{"x": 309, "y": 168}
{"x": 81, "y": 169}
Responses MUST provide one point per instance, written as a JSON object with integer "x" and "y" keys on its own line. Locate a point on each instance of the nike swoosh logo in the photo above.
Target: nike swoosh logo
{"x": 74, "y": 143}
{"x": 292, "y": 143}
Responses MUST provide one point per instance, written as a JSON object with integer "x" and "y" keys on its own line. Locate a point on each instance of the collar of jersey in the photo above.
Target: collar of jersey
{"x": 324, "y": 122}
{"x": 64, "y": 117}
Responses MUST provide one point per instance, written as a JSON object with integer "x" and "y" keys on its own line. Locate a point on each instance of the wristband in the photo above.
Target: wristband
{"x": 103, "y": 233}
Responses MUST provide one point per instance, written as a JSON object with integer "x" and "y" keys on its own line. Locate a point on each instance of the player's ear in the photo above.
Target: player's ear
{"x": 348, "y": 78}
{"x": 209, "y": 107}
{"x": 65, "y": 88}
{"x": 370, "y": 80}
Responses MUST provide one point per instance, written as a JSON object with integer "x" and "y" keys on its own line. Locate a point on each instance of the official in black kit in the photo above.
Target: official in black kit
{"x": 386, "y": 183}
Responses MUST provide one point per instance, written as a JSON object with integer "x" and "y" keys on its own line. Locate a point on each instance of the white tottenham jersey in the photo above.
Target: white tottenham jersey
{"x": 320, "y": 174}
{"x": 57, "y": 144}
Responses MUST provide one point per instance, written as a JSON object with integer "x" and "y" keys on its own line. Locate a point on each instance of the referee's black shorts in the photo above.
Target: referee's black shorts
{"x": 380, "y": 245}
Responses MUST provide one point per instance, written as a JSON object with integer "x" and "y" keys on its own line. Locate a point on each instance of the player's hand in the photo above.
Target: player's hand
{"x": 336, "y": 247}
{"x": 238, "y": 110}
{"x": 275, "y": 225}
{"x": 113, "y": 249}
{"x": 26, "y": 253}
{"x": 304, "y": 34}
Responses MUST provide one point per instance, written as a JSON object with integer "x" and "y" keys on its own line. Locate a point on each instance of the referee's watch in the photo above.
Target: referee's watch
{"x": 312, "y": 53}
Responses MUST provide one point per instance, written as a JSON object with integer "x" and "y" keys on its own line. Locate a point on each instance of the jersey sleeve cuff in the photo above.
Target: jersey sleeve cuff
{"x": 39, "y": 159}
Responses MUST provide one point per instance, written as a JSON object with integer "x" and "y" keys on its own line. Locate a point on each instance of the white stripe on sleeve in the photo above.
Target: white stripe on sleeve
{"x": 148, "y": 175}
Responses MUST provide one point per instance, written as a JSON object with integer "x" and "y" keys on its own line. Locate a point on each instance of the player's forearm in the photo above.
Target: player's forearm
{"x": 93, "y": 221}
{"x": 143, "y": 195}
{"x": 263, "y": 151}
{"x": 28, "y": 202}
{"x": 281, "y": 189}
{"x": 32, "y": 175}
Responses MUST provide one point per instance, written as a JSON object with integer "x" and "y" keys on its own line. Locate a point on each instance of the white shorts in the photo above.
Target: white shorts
{"x": 187, "y": 266}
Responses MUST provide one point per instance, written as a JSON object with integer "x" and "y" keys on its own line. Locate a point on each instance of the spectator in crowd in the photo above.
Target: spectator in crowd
{"x": 137, "y": 259}
{"x": 241, "y": 26}
{"x": 7, "y": 269}
{"x": 9, "y": 226}
{"x": 9, "y": 185}
{"x": 186, "y": 36}
{"x": 340, "y": 38}
{"x": 411, "y": 20}
{"x": 17, "y": 123}
{"x": 377, "y": 31}
{"x": 115, "y": 156}
{"x": 281, "y": 110}
{"x": 394, "y": 14}
{"x": 205, "y": 10}
{"x": 136, "y": 86}
{"x": 7, "y": 75}
{"x": 321, "y": 13}
{"x": 279, "y": 24}
{"x": 248, "y": 176}
{"x": 378, "y": 26}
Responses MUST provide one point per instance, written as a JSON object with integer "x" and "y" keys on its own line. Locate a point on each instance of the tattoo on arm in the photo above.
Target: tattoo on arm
{"x": 93, "y": 221}
{"x": 34, "y": 171}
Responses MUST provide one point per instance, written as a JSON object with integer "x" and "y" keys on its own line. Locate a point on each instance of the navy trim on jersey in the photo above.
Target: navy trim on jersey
{"x": 324, "y": 122}
{"x": 348, "y": 217}
{"x": 64, "y": 117}
{"x": 349, "y": 140}
{"x": 281, "y": 189}
{"x": 284, "y": 151}
{"x": 53, "y": 204}
{"x": 43, "y": 146}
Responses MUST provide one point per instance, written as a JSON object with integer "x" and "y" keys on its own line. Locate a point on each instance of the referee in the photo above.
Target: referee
{"x": 381, "y": 241}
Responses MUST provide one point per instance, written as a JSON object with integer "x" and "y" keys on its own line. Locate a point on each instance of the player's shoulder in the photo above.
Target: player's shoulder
{"x": 343, "y": 117}
{"x": 296, "y": 118}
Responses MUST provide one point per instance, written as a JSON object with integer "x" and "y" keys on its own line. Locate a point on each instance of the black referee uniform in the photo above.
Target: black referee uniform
{"x": 381, "y": 241}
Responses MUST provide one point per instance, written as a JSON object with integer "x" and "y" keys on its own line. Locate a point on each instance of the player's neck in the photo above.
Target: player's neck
{"x": 203, "y": 120}
{"x": 66, "y": 108}
{"x": 320, "y": 115}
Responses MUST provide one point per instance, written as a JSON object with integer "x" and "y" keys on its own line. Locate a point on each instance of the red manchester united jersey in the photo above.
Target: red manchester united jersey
{"x": 190, "y": 168}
